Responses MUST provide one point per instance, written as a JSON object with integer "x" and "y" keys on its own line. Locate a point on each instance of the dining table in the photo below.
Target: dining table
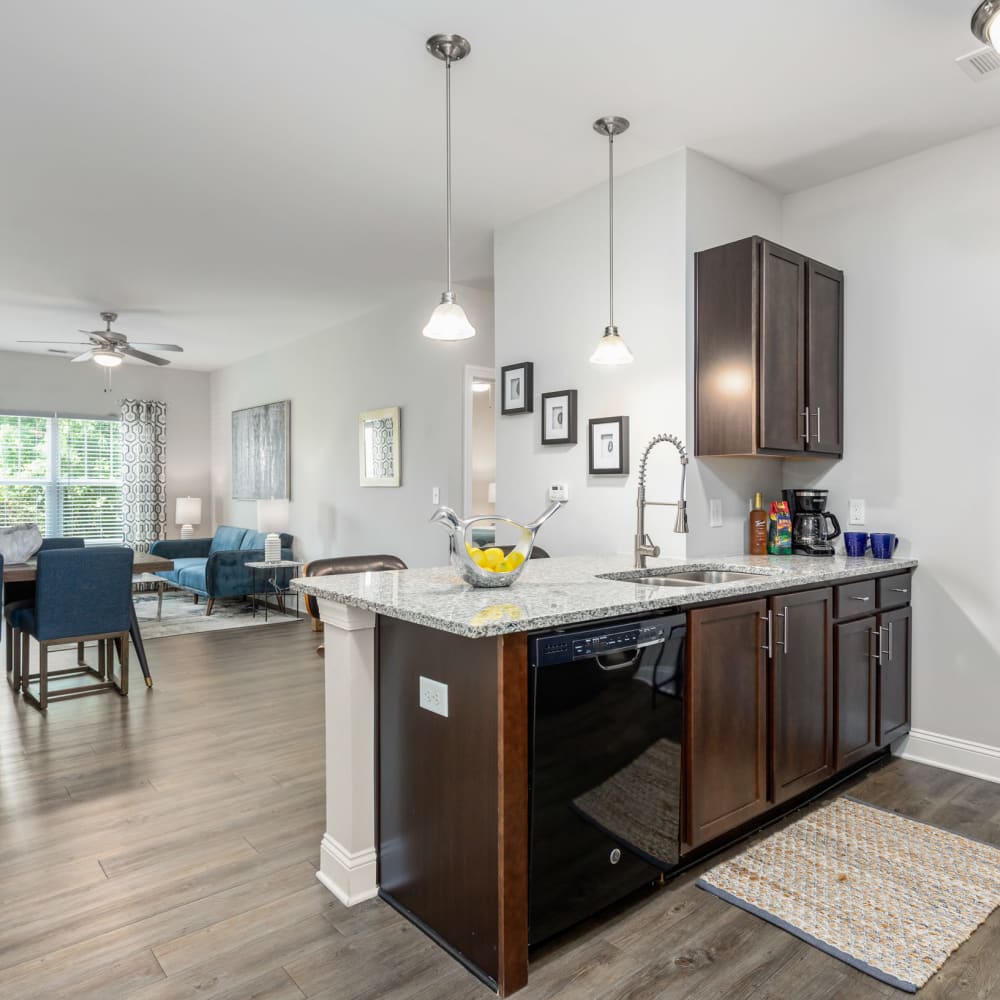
{"x": 142, "y": 562}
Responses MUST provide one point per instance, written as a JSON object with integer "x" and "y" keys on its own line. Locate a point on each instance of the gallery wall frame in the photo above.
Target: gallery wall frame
{"x": 559, "y": 417}
{"x": 380, "y": 447}
{"x": 517, "y": 390}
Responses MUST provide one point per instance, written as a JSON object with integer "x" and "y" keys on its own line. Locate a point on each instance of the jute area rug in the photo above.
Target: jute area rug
{"x": 886, "y": 894}
{"x": 182, "y": 616}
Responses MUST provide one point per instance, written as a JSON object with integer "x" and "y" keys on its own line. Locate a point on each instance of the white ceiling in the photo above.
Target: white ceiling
{"x": 234, "y": 173}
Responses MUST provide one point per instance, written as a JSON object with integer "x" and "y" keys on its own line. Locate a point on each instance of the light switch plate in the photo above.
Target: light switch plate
{"x": 855, "y": 512}
{"x": 715, "y": 513}
{"x": 559, "y": 491}
{"x": 435, "y": 495}
{"x": 434, "y": 696}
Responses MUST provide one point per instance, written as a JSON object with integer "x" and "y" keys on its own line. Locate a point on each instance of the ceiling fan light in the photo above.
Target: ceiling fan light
{"x": 986, "y": 23}
{"x": 107, "y": 358}
{"x": 448, "y": 321}
{"x": 612, "y": 350}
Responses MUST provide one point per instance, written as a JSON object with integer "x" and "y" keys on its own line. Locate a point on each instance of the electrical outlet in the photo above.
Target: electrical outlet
{"x": 435, "y": 495}
{"x": 855, "y": 512}
{"x": 434, "y": 696}
{"x": 715, "y": 513}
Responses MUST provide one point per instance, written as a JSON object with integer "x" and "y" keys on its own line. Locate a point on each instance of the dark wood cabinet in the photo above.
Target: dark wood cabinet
{"x": 894, "y": 640}
{"x": 802, "y": 691}
{"x": 768, "y": 352}
{"x": 725, "y": 719}
{"x": 857, "y": 690}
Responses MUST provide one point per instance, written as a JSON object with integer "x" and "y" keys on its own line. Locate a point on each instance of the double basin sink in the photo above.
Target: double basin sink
{"x": 667, "y": 577}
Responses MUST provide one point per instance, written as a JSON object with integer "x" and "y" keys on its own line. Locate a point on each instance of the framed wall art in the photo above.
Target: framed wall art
{"x": 608, "y": 446}
{"x": 379, "y": 447}
{"x": 517, "y": 388}
{"x": 559, "y": 417}
{"x": 261, "y": 467}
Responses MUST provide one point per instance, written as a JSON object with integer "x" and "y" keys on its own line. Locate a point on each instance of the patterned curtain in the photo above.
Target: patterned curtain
{"x": 144, "y": 473}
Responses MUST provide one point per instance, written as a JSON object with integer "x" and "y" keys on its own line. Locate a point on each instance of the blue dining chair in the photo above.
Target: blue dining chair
{"x": 23, "y": 597}
{"x": 81, "y": 595}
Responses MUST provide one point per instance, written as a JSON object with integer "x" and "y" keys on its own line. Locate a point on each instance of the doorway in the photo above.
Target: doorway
{"x": 480, "y": 441}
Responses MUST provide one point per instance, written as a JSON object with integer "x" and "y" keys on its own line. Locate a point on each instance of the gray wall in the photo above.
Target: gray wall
{"x": 39, "y": 384}
{"x": 379, "y": 359}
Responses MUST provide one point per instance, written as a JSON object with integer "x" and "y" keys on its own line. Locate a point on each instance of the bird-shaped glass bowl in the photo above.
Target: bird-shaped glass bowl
{"x": 493, "y": 565}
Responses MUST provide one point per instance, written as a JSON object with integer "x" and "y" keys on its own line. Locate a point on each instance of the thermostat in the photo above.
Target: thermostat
{"x": 559, "y": 491}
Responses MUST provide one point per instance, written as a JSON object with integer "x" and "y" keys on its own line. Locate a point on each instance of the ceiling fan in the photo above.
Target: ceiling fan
{"x": 108, "y": 348}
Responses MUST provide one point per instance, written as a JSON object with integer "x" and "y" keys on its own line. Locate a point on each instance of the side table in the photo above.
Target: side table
{"x": 276, "y": 589}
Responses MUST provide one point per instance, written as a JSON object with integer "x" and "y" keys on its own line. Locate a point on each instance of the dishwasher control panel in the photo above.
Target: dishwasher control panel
{"x": 582, "y": 645}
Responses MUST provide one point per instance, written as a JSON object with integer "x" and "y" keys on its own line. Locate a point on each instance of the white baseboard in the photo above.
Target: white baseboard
{"x": 351, "y": 878}
{"x": 975, "y": 759}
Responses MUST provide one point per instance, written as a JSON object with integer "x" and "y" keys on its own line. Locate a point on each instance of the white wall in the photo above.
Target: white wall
{"x": 551, "y": 293}
{"x": 377, "y": 360}
{"x": 722, "y": 206}
{"x": 918, "y": 242}
{"x": 38, "y": 384}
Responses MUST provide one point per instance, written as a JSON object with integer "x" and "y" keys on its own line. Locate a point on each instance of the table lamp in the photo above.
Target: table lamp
{"x": 272, "y": 517}
{"x": 187, "y": 513}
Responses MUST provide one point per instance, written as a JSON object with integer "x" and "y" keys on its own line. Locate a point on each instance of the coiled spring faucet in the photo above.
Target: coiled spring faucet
{"x": 644, "y": 546}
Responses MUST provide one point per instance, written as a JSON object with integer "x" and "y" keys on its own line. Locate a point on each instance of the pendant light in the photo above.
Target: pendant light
{"x": 986, "y": 23}
{"x": 448, "y": 321}
{"x": 611, "y": 350}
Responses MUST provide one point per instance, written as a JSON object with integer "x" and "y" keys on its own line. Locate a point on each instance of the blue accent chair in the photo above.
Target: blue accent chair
{"x": 216, "y": 567}
{"x": 81, "y": 595}
{"x": 23, "y": 594}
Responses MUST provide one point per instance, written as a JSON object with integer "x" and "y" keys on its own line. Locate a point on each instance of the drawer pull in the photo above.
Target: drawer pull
{"x": 900, "y": 590}
{"x": 860, "y": 598}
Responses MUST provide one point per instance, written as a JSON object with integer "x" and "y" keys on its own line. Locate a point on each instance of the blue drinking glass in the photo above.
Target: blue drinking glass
{"x": 855, "y": 542}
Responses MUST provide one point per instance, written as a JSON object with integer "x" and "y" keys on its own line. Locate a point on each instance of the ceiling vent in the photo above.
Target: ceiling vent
{"x": 980, "y": 65}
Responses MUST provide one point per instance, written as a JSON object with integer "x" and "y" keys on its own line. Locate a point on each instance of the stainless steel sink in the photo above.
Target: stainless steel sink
{"x": 684, "y": 578}
{"x": 710, "y": 576}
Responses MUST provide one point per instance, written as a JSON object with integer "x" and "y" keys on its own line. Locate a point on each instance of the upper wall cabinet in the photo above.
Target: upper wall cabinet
{"x": 769, "y": 352}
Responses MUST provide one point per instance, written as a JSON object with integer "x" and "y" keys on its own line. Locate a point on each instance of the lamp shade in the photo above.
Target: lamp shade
{"x": 187, "y": 510}
{"x": 272, "y": 515}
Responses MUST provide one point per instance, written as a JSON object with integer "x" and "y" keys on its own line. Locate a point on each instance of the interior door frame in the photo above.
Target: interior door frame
{"x": 470, "y": 373}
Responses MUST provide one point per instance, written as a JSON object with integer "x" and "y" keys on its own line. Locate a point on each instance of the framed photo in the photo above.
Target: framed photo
{"x": 379, "y": 447}
{"x": 559, "y": 417}
{"x": 517, "y": 393}
{"x": 609, "y": 446}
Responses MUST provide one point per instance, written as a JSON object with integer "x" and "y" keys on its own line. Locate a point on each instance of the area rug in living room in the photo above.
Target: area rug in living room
{"x": 884, "y": 893}
{"x": 182, "y": 616}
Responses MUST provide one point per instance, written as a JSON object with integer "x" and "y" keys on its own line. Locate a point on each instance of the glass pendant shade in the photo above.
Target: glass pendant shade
{"x": 448, "y": 321}
{"x": 612, "y": 350}
{"x": 986, "y": 23}
{"x": 107, "y": 359}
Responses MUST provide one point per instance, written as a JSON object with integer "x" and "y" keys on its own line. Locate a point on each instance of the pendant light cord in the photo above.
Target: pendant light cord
{"x": 447, "y": 131}
{"x": 611, "y": 228}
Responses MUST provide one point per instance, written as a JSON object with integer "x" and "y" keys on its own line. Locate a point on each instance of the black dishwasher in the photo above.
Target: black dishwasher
{"x": 606, "y": 706}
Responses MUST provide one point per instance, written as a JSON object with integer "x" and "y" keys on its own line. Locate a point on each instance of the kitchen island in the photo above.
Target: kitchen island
{"x": 427, "y": 800}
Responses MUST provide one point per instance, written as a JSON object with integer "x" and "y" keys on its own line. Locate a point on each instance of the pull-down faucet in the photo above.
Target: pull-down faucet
{"x": 643, "y": 543}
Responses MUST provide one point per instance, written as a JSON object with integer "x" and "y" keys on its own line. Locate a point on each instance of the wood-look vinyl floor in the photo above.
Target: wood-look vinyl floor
{"x": 165, "y": 846}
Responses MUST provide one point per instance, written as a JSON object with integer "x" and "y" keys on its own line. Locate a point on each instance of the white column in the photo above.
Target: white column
{"x": 347, "y": 853}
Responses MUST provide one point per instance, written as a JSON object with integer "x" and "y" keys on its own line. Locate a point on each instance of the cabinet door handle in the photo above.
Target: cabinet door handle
{"x": 860, "y": 598}
{"x": 877, "y": 635}
{"x": 900, "y": 590}
{"x": 769, "y": 646}
{"x": 783, "y": 613}
{"x": 819, "y": 435}
{"x": 805, "y": 413}
{"x": 890, "y": 642}
{"x": 881, "y": 646}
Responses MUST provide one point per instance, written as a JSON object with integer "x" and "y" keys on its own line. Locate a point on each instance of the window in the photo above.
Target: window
{"x": 62, "y": 473}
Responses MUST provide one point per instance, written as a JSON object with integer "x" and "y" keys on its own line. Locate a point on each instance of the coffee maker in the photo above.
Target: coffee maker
{"x": 811, "y": 536}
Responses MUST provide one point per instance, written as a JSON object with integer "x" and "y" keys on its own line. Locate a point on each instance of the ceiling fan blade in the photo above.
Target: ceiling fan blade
{"x": 77, "y": 343}
{"x": 57, "y": 350}
{"x": 131, "y": 352}
{"x": 155, "y": 347}
{"x": 86, "y": 356}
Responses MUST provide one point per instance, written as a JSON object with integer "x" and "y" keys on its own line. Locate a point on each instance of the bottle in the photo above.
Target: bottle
{"x": 758, "y": 527}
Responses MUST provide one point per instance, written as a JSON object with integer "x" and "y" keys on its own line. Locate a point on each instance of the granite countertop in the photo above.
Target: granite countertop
{"x": 552, "y": 592}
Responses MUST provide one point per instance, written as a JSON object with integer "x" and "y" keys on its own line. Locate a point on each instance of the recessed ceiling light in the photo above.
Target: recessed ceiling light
{"x": 986, "y": 23}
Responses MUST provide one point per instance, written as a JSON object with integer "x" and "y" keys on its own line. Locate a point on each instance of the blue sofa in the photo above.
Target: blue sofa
{"x": 216, "y": 567}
